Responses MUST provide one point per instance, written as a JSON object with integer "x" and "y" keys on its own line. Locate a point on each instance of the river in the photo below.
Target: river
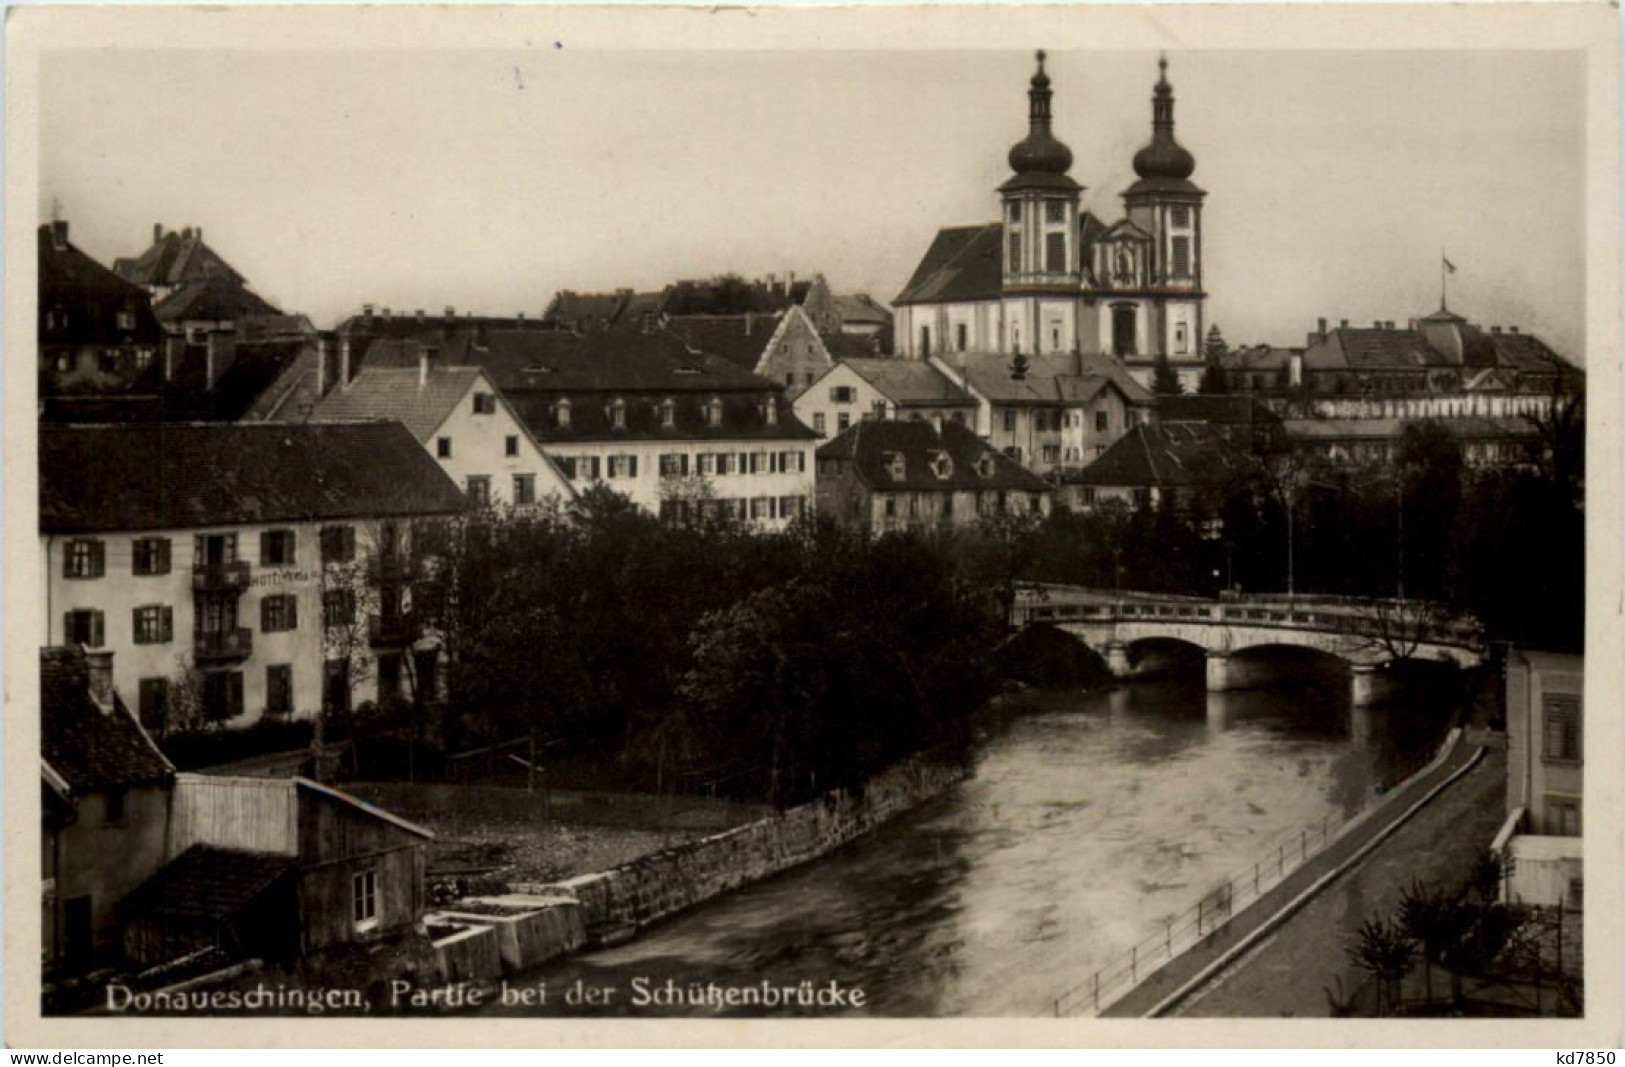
{"x": 1088, "y": 822}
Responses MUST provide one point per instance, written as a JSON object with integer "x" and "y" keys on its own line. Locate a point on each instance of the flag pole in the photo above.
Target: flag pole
{"x": 1444, "y": 285}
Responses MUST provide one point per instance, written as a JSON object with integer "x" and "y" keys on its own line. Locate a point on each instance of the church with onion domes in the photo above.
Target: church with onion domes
{"x": 1053, "y": 277}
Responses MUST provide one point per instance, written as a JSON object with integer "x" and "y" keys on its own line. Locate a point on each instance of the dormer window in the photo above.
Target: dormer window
{"x": 770, "y": 412}
{"x": 126, "y": 319}
{"x": 668, "y": 414}
{"x": 942, "y": 465}
{"x": 984, "y": 466}
{"x": 688, "y": 368}
{"x": 896, "y": 466}
{"x": 617, "y": 414}
{"x": 561, "y": 414}
{"x": 713, "y": 412}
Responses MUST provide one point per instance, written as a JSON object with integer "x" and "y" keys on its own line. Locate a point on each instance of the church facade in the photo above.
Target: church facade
{"x": 1050, "y": 276}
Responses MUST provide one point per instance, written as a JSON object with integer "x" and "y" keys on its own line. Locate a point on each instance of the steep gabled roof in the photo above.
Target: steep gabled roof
{"x": 740, "y": 339}
{"x": 219, "y": 298}
{"x": 173, "y": 259}
{"x": 86, "y": 745}
{"x": 862, "y": 308}
{"x": 90, "y": 297}
{"x": 160, "y": 476}
{"x": 870, "y": 445}
{"x": 397, "y": 394}
{"x": 963, "y": 263}
{"x": 909, "y": 382}
{"x": 1179, "y": 455}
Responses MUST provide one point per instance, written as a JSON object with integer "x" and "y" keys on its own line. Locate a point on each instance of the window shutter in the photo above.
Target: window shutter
{"x": 265, "y": 614}
{"x": 67, "y": 627}
{"x": 96, "y": 632}
{"x": 169, "y": 624}
{"x": 595, "y": 469}
{"x": 631, "y": 466}
{"x": 265, "y": 547}
{"x": 682, "y": 464}
{"x": 235, "y": 694}
{"x": 801, "y": 466}
{"x": 292, "y": 611}
{"x": 135, "y": 626}
{"x": 162, "y": 562}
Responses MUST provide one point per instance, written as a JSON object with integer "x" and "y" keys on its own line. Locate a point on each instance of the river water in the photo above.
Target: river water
{"x": 1088, "y": 822}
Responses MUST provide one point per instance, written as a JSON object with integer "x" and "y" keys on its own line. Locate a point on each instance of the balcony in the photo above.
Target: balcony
{"x": 392, "y": 630}
{"x": 220, "y": 577}
{"x": 223, "y": 646}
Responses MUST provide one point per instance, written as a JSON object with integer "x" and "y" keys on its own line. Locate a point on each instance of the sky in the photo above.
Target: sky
{"x": 489, "y": 179}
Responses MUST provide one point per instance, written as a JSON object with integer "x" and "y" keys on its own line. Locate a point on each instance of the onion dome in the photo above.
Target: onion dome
{"x": 1039, "y": 152}
{"x": 1164, "y": 158}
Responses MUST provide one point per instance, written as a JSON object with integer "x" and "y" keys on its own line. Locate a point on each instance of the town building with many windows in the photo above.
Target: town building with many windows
{"x": 1545, "y": 773}
{"x": 860, "y": 388}
{"x": 888, "y": 475}
{"x": 239, "y": 571}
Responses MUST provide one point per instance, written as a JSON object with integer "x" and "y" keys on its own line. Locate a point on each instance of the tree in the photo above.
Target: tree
{"x": 1382, "y": 949}
{"x": 1164, "y": 382}
{"x": 1433, "y": 920}
{"x": 1019, "y": 365}
{"x": 1214, "y": 381}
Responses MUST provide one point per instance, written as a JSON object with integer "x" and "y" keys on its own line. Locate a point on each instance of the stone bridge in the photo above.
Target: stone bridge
{"x": 1368, "y": 635}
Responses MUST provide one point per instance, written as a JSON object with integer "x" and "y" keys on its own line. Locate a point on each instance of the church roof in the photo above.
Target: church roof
{"x": 963, "y": 263}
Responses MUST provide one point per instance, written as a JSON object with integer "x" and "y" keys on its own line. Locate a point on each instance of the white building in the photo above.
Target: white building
{"x": 880, "y": 388}
{"x": 239, "y": 561}
{"x": 1051, "y": 277}
{"x": 1545, "y": 772}
{"x": 463, "y": 421}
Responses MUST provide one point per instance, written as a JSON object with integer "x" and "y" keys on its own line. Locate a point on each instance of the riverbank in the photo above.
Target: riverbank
{"x": 1176, "y": 985}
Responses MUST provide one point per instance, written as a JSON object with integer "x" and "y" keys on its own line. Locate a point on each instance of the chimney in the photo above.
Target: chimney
{"x": 99, "y": 675}
{"x": 789, "y": 281}
{"x": 59, "y": 234}
{"x": 1512, "y": 329}
{"x": 366, "y": 312}
{"x": 321, "y": 367}
{"x": 198, "y": 233}
{"x": 427, "y": 355}
{"x": 1343, "y": 324}
{"x": 451, "y": 315}
{"x": 157, "y": 232}
{"x": 1377, "y": 325}
{"x": 344, "y": 362}
{"x": 750, "y": 322}
{"x": 420, "y": 316}
{"x": 1294, "y": 371}
{"x": 187, "y": 233}
{"x": 519, "y": 319}
{"x": 1495, "y": 329}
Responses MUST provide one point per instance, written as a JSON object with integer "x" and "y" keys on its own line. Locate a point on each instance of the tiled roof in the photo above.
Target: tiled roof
{"x": 206, "y": 883}
{"x": 83, "y": 744}
{"x": 862, "y": 308}
{"x": 292, "y": 395}
{"x": 963, "y": 263}
{"x": 439, "y": 329}
{"x": 92, "y": 297}
{"x": 871, "y": 444}
{"x": 1522, "y": 352}
{"x": 740, "y": 339}
{"x": 1373, "y": 349}
{"x": 909, "y": 381}
{"x": 158, "y": 476}
{"x": 560, "y": 361}
{"x": 1222, "y": 410}
{"x": 1470, "y": 427}
{"x": 396, "y": 393}
{"x": 214, "y": 299}
{"x": 1179, "y": 455}
{"x": 173, "y": 259}
{"x": 990, "y": 375}
{"x": 623, "y": 306}
{"x": 732, "y": 295}
{"x": 591, "y": 417}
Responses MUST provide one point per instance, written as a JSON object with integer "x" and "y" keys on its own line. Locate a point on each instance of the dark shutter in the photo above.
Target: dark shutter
{"x": 265, "y": 614}
{"x": 135, "y": 627}
{"x": 67, "y": 628}
{"x": 98, "y": 558}
{"x": 267, "y": 547}
{"x": 161, "y": 564}
{"x": 682, "y": 463}
{"x": 234, "y": 694}
{"x": 291, "y": 612}
{"x": 632, "y": 466}
{"x": 595, "y": 469}
{"x": 96, "y": 631}
{"x": 168, "y": 633}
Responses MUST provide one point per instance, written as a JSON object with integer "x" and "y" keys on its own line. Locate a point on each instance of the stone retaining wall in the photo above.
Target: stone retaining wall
{"x": 663, "y": 883}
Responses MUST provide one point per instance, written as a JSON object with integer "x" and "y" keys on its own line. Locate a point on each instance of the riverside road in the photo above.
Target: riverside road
{"x": 1089, "y": 822}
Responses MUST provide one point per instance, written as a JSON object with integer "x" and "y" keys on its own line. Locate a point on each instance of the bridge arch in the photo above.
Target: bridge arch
{"x": 1163, "y": 656}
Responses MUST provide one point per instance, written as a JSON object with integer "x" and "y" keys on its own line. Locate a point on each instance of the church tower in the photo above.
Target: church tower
{"x": 1166, "y": 204}
{"x": 1039, "y": 246}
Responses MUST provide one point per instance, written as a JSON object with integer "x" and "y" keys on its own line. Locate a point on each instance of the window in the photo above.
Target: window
{"x": 962, "y": 336}
{"x": 364, "y": 900}
{"x": 1123, "y": 330}
{"x": 276, "y": 548}
{"x": 623, "y": 466}
{"x": 1180, "y": 346}
{"x": 442, "y": 447}
{"x": 278, "y": 689}
{"x": 223, "y": 695}
{"x": 891, "y": 506}
{"x": 1009, "y": 421}
{"x": 126, "y": 319}
{"x": 617, "y": 414}
{"x": 84, "y": 558}
{"x": 561, "y": 414}
{"x": 1182, "y": 256}
{"x": 479, "y": 489}
{"x": 770, "y": 412}
{"x": 789, "y": 377}
{"x": 113, "y": 805}
{"x": 820, "y": 424}
{"x": 510, "y": 445}
{"x": 1052, "y": 453}
{"x": 338, "y": 544}
{"x": 705, "y": 463}
{"x": 338, "y": 607}
{"x": 150, "y": 555}
{"x": 214, "y": 550}
{"x": 1562, "y": 727}
{"x": 524, "y": 489}
{"x": 485, "y": 404}
{"x": 1015, "y": 211}
{"x": 1562, "y": 816}
{"x": 790, "y": 507}
{"x": 1055, "y": 253}
{"x": 842, "y": 394}
{"x": 154, "y": 703}
{"x": 336, "y": 684}
{"x": 1054, "y": 211}
{"x": 1015, "y": 253}
{"x": 110, "y": 360}
{"x": 713, "y": 412}
{"x": 843, "y": 421}
{"x": 279, "y": 613}
{"x": 668, "y": 414}
{"x": 1181, "y": 216}
{"x": 673, "y": 465}
{"x": 83, "y": 627}
{"x": 152, "y": 624}
{"x": 1102, "y": 421}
